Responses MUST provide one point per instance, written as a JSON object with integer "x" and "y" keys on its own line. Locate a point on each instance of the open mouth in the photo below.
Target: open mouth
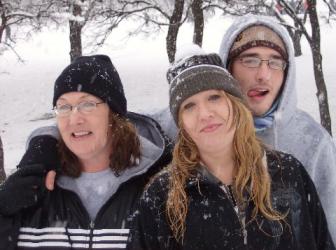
{"x": 81, "y": 134}
{"x": 255, "y": 93}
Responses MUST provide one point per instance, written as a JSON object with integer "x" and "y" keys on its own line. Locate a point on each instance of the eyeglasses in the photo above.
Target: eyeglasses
{"x": 255, "y": 62}
{"x": 84, "y": 107}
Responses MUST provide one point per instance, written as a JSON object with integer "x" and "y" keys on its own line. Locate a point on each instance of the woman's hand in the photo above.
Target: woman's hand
{"x": 22, "y": 189}
{"x": 50, "y": 180}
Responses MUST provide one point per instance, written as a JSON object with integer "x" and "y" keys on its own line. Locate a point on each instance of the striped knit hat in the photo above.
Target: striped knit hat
{"x": 257, "y": 36}
{"x": 195, "y": 74}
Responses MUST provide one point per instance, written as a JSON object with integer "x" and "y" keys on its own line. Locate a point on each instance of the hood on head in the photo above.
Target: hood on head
{"x": 288, "y": 99}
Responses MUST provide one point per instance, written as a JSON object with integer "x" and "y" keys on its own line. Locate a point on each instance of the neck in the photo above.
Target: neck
{"x": 220, "y": 164}
{"x": 95, "y": 165}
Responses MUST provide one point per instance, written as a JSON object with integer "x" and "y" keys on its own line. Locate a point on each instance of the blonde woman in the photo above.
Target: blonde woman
{"x": 224, "y": 189}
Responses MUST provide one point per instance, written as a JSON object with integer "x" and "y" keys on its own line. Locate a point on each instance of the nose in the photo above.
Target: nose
{"x": 75, "y": 117}
{"x": 263, "y": 72}
{"x": 205, "y": 112}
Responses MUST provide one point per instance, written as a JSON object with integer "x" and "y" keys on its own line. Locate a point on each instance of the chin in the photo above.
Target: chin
{"x": 79, "y": 151}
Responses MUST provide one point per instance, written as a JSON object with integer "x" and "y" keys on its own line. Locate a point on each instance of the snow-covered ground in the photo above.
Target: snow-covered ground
{"x": 26, "y": 89}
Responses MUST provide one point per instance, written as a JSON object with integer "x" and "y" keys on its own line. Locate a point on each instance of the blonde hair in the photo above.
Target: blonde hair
{"x": 251, "y": 176}
{"x": 125, "y": 148}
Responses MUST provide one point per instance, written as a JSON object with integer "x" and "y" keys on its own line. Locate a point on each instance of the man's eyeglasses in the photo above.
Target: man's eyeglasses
{"x": 255, "y": 62}
{"x": 84, "y": 107}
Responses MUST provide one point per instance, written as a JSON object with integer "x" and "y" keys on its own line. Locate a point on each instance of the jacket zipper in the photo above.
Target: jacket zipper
{"x": 240, "y": 216}
{"x": 91, "y": 234}
{"x": 243, "y": 225}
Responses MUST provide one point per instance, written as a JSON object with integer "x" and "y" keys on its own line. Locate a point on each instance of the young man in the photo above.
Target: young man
{"x": 258, "y": 52}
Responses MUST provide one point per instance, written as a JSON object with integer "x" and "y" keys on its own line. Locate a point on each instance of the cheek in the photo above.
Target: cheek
{"x": 242, "y": 76}
{"x": 187, "y": 125}
{"x": 61, "y": 125}
{"x": 278, "y": 80}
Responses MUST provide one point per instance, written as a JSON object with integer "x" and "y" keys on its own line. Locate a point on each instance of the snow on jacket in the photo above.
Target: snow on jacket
{"x": 294, "y": 131}
{"x": 212, "y": 222}
{"x": 61, "y": 221}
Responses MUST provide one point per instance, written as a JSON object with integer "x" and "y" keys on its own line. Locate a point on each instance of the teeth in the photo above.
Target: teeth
{"x": 82, "y": 133}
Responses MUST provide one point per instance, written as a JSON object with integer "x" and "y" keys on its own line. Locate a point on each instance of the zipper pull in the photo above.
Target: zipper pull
{"x": 92, "y": 224}
{"x": 91, "y": 234}
{"x": 245, "y": 236}
{"x": 244, "y": 230}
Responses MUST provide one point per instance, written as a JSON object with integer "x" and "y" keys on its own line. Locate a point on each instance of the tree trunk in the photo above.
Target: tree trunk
{"x": 196, "y": 8}
{"x": 2, "y": 167}
{"x": 174, "y": 26}
{"x": 75, "y": 34}
{"x": 321, "y": 94}
{"x": 3, "y": 20}
{"x": 297, "y": 42}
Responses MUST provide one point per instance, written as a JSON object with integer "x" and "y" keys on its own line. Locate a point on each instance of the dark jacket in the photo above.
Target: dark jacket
{"x": 60, "y": 220}
{"x": 212, "y": 223}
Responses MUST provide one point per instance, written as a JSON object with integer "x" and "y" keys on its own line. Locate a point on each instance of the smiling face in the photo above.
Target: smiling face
{"x": 260, "y": 85}
{"x": 86, "y": 135}
{"x": 207, "y": 118}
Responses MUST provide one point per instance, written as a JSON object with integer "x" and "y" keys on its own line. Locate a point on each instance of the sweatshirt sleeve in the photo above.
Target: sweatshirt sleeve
{"x": 324, "y": 177}
{"x": 9, "y": 230}
{"x": 150, "y": 230}
{"x": 318, "y": 219}
{"x": 166, "y": 121}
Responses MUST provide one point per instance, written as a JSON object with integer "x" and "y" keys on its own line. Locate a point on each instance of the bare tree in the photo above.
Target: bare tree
{"x": 294, "y": 31}
{"x": 202, "y": 9}
{"x": 75, "y": 34}
{"x": 156, "y": 14}
{"x": 331, "y": 4}
{"x": 90, "y": 22}
{"x": 197, "y": 12}
{"x": 314, "y": 41}
{"x": 2, "y": 168}
{"x": 18, "y": 19}
{"x": 173, "y": 29}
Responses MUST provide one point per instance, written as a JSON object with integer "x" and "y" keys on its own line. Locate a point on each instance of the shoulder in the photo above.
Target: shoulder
{"x": 277, "y": 158}
{"x": 287, "y": 170}
{"x": 311, "y": 136}
{"x": 308, "y": 125}
{"x": 157, "y": 188}
{"x": 284, "y": 167}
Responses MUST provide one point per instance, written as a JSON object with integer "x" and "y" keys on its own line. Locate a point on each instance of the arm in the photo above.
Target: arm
{"x": 26, "y": 187}
{"x": 144, "y": 229}
{"x": 22, "y": 189}
{"x": 149, "y": 228}
{"x": 318, "y": 219}
{"x": 9, "y": 230}
{"x": 166, "y": 121}
{"x": 324, "y": 176}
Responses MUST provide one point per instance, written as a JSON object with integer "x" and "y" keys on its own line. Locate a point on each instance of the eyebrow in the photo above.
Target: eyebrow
{"x": 82, "y": 97}
{"x": 258, "y": 55}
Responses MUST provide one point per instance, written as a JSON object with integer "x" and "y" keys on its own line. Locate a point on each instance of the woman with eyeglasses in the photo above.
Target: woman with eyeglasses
{"x": 104, "y": 165}
{"x": 224, "y": 189}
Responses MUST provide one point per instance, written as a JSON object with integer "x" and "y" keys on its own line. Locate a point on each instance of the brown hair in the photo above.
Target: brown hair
{"x": 125, "y": 148}
{"x": 251, "y": 176}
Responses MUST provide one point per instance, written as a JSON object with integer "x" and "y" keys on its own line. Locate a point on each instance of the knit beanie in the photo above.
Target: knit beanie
{"x": 257, "y": 36}
{"x": 95, "y": 75}
{"x": 195, "y": 74}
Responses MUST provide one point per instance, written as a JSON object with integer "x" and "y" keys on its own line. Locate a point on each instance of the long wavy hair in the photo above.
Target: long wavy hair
{"x": 125, "y": 148}
{"x": 251, "y": 176}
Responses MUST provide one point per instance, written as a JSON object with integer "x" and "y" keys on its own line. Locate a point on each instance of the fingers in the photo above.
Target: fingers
{"x": 31, "y": 170}
{"x": 50, "y": 180}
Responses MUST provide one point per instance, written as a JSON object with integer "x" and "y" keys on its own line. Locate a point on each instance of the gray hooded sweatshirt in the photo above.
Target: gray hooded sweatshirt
{"x": 295, "y": 131}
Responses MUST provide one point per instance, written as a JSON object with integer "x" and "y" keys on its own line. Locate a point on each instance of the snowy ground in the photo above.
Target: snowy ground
{"x": 26, "y": 89}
